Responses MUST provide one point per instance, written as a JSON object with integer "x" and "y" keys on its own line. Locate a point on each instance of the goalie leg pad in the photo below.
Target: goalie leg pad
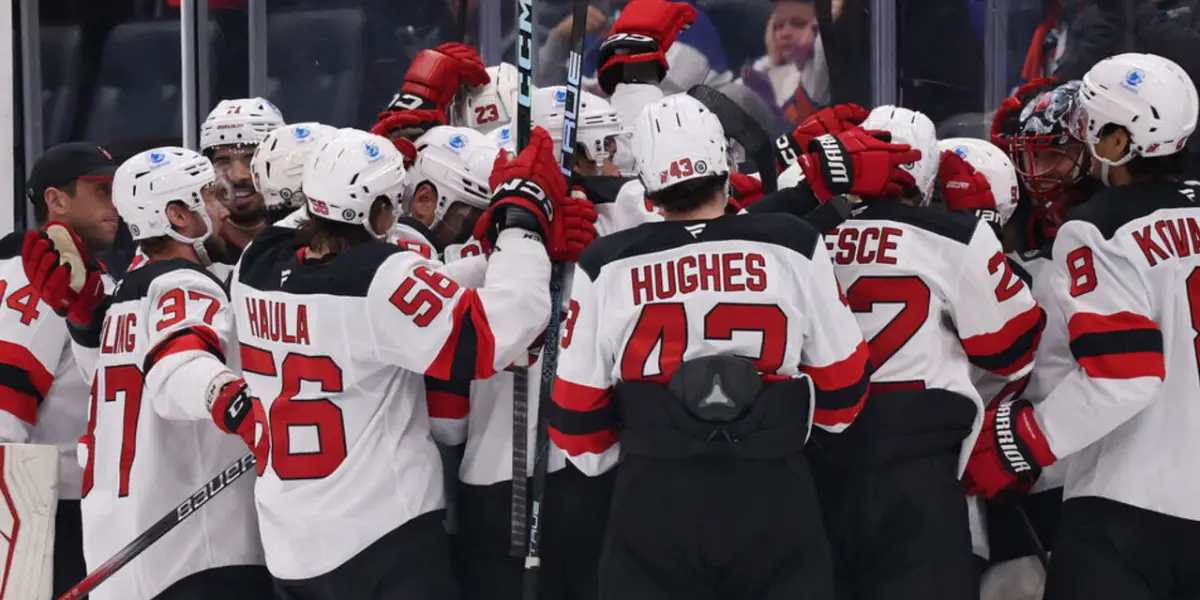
{"x": 28, "y": 502}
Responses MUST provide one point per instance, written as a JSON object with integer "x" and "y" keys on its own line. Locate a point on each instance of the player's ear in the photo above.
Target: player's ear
{"x": 1113, "y": 143}
{"x": 178, "y": 216}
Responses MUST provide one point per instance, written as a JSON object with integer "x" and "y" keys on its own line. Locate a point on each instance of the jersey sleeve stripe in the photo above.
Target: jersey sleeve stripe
{"x": 470, "y": 349}
{"x": 18, "y": 396}
{"x": 1124, "y": 345}
{"x": 1010, "y": 349}
{"x": 256, "y": 360}
{"x": 200, "y": 338}
{"x": 841, "y": 389}
{"x": 447, "y": 399}
{"x": 21, "y": 359}
{"x": 581, "y": 418}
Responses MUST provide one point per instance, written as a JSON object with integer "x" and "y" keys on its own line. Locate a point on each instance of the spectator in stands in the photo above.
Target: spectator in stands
{"x": 792, "y": 76}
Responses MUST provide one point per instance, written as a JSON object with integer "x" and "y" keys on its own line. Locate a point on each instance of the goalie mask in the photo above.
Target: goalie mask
{"x": 1048, "y": 159}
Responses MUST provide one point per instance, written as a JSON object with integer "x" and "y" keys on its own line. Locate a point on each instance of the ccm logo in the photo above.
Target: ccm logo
{"x": 632, "y": 38}
{"x": 405, "y": 102}
{"x": 836, "y": 169}
{"x": 787, "y": 153}
{"x": 525, "y": 187}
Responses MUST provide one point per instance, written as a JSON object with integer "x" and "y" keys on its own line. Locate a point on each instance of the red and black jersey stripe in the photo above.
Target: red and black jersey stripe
{"x": 1124, "y": 345}
{"x": 447, "y": 399}
{"x": 841, "y": 388}
{"x": 24, "y": 382}
{"x": 470, "y": 349}
{"x": 582, "y": 418}
{"x": 199, "y": 338}
{"x": 1010, "y": 349}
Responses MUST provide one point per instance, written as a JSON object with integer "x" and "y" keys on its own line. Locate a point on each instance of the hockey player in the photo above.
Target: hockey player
{"x": 660, "y": 316}
{"x": 277, "y": 166}
{"x": 491, "y": 105}
{"x": 228, "y": 137}
{"x": 155, "y": 353}
{"x": 42, "y": 397}
{"x": 976, "y": 176}
{"x": 1125, "y": 269}
{"x": 316, "y": 313}
{"x": 934, "y": 295}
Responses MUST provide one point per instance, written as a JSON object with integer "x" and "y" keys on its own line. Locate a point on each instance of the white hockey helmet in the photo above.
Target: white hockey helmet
{"x": 595, "y": 124}
{"x": 278, "y": 163}
{"x": 348, "y": 172}
{"x": 994, "y": 165}
{"x": 244, "y": 121}
{"x": 457, "y": 161}
{"x": 915, "y": 129}
{"x": 146, "y": 184}
{"x": 677, "y": 139}
{"x": 490, "y": 105}
{"x": 1153, "y": 98}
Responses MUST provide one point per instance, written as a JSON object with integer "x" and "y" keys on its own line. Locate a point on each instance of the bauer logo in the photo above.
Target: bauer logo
{"x": 1134, "y": 79}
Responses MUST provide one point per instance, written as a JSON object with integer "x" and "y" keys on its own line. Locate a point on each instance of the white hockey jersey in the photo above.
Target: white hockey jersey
{"x": 43, "y": 398}
{"x": 646, "y": 299}
{"x": 336, "y": 352}
{"x": 934, "y": 294}
{"x": 1126, "y": 274}
{"x": 150, "y": 440}
{"x": 620, "y": 204}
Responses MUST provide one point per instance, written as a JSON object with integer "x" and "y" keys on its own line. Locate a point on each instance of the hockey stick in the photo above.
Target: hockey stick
{"x": 550, "y": 347}
{"x": 520, "y": 457}
{"x": 1031, "y": 533}
{"x": 168, "y": 522}
{"x": 743, "y": 128}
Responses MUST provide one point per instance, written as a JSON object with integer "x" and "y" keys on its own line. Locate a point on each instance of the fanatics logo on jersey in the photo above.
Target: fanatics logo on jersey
{"x": 694, "y": 229}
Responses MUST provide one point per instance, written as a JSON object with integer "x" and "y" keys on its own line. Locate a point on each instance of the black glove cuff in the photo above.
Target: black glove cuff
{"x": 239, "y": 407}
{"x": 403, "y": 101}
{"x": 837, "y": 169}
{"x": 787, "y": 151}
{"x": 88, "y": 335}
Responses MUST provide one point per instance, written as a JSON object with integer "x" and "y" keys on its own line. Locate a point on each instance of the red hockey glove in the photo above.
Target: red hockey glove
{"x": 436, "y": 75}
{"x": 527, "y": 192}
{"x": 641, "y": 36}
{"x": 233, "y": 410}
{"x": 857, "y": 162}
{"x": 574, "y": 227}
{"x": 403, "y": 127}
{"x": 1009, "y": 110}
{"x": 1011, "y": 450}
{"x": 746, "y": 191}
{"x": 964, "y": 188}
{"x": 57, "y": 266}
{"x": 830, "y": 120}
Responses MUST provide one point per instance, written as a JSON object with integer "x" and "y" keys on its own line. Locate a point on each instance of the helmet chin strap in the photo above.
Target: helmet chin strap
{"x": 197, "y": 243}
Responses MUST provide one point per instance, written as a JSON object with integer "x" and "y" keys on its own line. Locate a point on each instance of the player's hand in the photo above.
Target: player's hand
{"x": 405, "y": 126}
{"x": 642, "y": 35}
{"x": 746, "y": 191}
{"x": 1011, "y": 451}
{"x": 1010, "y": 109}
{"x": 859, "y": 163}
{"x": 436, "y": 75}
{"x": 964, "y": 188}
{"x": 58, "y": 267}
{"x": 527, "y": 192}
{"x": 233, "y": 410}
{"x": 830, "y": 120}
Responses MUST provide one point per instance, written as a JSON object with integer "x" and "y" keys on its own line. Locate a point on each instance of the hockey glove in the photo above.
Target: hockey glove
{"x": 406, "y": 126}
{"x": 59, "y": 269}
{"x": 746, "y": 191}
{"x": 831, "y": 120}
{"x": 1011, "y": 451}
{"x": 859, "y": 163}
{"x": 233, "y": 409}
{"x": 526, "y": 192}
{"x": 436, "y": 75}
{"x": 574, "y": 227}
{"x": 965, "y": 189}
{"x": 641, "y": 36}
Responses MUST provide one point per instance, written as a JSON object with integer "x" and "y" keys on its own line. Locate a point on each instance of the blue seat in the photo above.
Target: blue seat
{"x": 61, "y": 49}
{"x": 315, "y": 63}
{"x": 139, "y": 85}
